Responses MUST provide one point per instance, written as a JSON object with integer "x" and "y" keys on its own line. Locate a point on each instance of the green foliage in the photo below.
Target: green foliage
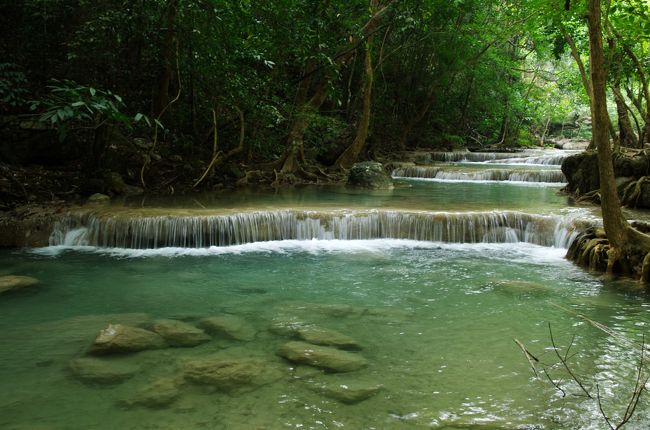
{"x": 70, "y": 104}
{"x": 13, "y": 84}
{"x": 324, "y": 135}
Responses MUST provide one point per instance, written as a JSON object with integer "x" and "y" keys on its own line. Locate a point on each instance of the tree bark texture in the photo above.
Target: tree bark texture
{"x": 615, "y": 224}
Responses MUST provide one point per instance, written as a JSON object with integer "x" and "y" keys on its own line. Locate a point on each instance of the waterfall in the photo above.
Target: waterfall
{"x": 555, "y": 176}
{"x": 146, "y": 232}
{"x": 536, "y": 156}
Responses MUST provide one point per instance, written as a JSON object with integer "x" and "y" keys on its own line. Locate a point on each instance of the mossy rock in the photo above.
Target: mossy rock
{"x": 369, "y": 174}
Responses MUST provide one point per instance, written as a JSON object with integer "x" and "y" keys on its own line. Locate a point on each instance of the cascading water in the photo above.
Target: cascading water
{"x": 536, "y": 157}
{"x": 440, "y": 173}
{"x": 225, "y": 230}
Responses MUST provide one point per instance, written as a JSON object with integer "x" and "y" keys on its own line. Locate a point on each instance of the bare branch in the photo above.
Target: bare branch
{"x": 566, "y": 366}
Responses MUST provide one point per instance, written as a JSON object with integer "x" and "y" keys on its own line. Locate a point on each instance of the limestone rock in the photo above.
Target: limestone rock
{"x": 322, "y": 356}
{"x": 15, "y": 282}
{"x": 286, "y": 326}
{"x": 323, "y": 336}
{"x": 230, "y": 326}
{"x": 158, "y": 394}
{"x": 118, "y": 338}
{"x": 517, "y": 287}
{"x": 228, "y": 374}
{"x": 101, "y": 371}
{"x": 348, "y": 393}
{"x": 178, "y": 333}
{"x": 369, "y": 174}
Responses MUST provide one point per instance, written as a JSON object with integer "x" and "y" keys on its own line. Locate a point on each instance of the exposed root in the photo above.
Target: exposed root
{"x": 590, "y": 197}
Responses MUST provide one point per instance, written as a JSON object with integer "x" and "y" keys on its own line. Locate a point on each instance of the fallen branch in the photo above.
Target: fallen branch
{"x": 530, "y": 357}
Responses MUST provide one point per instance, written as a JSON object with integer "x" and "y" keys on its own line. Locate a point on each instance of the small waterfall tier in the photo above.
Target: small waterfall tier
{"x": 537, "y": 157}
{"x": 440, "y": 173}
{"x": 200, "y": 231}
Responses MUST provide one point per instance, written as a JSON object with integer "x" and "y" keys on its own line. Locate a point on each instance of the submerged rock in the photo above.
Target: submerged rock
{"x": 349, "y": 393}
{"x": 15, "y": 282}
{"x": 322, "y": 356}
{"x": 101, "y": 371}
{"x": 286, "y": 326}
{"x": 322, "y": 336}
{"x": 158, "y": 394}
{"x": 178, "y": 333}
{"x": 226, "y": 374}
{"x": 369, "y": 174}
{"x": 230, "y": 326}
{"x": 516, "y": 287}
{"x": 118, "y": 338}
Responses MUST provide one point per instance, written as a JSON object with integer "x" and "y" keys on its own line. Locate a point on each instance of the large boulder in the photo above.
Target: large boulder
{"x": 581, "y": 172}
{"x": 328, "y": 358}
{"x": 369, "y": 174}
{"x": 15, "y": 282}
{"x": 178, "y": 333}
{"x": 118, "y": 338}
{"x": 228, "y": 374}
{"x": 229, "y": 326}
{"x": 101, "y": 371}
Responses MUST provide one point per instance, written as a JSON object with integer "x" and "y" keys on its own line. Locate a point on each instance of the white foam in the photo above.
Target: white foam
{"x": 483, "y": 182}
{"x": 519, "y": 251}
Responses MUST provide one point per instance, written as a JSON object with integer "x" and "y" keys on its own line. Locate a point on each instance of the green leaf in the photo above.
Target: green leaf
{"x": 76, "y": 104}
{"x": 138, "y": 116}
{"x": 92, "y": 91}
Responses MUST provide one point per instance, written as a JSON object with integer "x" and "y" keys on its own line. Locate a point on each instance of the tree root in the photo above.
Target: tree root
{"x": 633, "y": 192}
{"x": 590, "y": 197}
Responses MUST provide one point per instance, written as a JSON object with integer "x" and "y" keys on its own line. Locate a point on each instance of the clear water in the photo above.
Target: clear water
{"x": 436, "y": 323}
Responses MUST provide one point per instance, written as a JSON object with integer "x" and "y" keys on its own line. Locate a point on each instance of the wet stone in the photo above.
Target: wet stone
{"x": 286, "y": 326}
{"x": 325, "y": 357}
{"x": 229, "y": 326}
{"x": 322, "y": 336}
{"x": 118, "y": 338}
{"x": 158, "y": 394}
{"x": 178, "y": 333}
{"x": 15, "y": 282}
{"x": 227, "y": 374}
{"x": 516, "y": 287}
{"x": 348, "y": 393}
{"x": 101, "y": 371}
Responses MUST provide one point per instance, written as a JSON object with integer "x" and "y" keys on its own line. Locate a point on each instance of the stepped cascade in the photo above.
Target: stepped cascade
{"x": 534, "y": 157}
{"x": 224, "y": 230}
{"x": 441, "y": 173}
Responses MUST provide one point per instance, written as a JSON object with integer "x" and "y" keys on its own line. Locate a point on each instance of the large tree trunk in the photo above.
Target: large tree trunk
{"x": 623, "y": 239}
{"x": 613, "y": 220}
{"x": 351, "y": 154}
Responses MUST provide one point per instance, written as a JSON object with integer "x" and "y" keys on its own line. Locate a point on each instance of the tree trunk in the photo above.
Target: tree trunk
{"x": 164, "y": 80}
{"x": 351, "y": 154}
{"x": 615, "y": 224}
{"x": 294, "y": 155}
{"x": 626, "y": 134}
